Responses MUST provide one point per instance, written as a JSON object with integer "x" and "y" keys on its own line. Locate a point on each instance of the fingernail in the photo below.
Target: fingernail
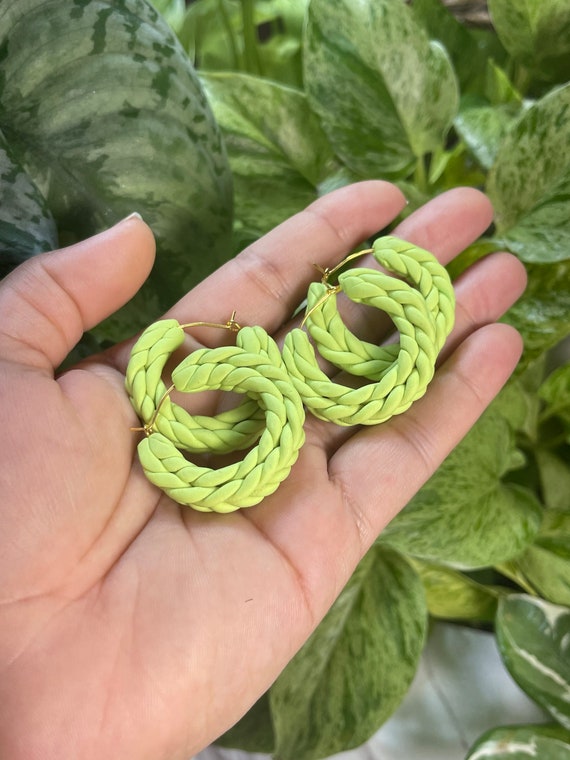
{"x": 134, "y": 215}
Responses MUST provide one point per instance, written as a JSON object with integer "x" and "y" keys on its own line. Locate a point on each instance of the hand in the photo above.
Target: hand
{"x": 124, "y": 630}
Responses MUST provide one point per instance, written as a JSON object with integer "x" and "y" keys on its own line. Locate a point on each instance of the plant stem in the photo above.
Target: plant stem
{"x": 507, "y": 569}
{"x": 252, "y": 60}
{"x": 420, "y": 176}
{"x": 230, "y": 33}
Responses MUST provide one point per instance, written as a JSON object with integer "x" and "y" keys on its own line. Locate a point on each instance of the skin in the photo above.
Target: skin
{"x": 129, "y": 626}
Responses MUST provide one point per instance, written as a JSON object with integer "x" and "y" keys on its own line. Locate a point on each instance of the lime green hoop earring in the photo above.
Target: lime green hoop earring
{"x": 338, "y": 345}
{"x": 233, "y": 430}
{"x": 253, "y": 366}
{"x": 423, "y": 316}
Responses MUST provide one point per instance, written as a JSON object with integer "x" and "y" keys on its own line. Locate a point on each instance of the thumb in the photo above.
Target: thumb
{"x": 49, "y": 301}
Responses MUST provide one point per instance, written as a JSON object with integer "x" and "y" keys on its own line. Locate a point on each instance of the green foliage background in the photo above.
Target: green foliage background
{"x": 244, "y": 111}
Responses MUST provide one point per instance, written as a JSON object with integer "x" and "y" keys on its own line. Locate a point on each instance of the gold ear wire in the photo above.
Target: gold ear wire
{"x": 147, "y": 429}
{"x": 326, "y": 274}
{"x": 331, "y": 290}
{"x": 230, "y": 325}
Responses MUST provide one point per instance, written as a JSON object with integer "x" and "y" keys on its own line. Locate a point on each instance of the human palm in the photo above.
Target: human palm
{"x": 131, "y": 627}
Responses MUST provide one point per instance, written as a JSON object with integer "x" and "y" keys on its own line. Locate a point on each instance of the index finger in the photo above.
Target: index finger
{"x": 267, "y": 281}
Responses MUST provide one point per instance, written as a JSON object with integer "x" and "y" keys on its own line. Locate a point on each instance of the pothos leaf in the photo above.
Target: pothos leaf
{"x": 534, "y": 641}
{"x": 543, "y": 741}
{"x": 357, "y": 666}
{"x": 467, "y": 515}
{"x": 545, "y": 565}
{"x": 529, "y": 182}
{"x": 277, "y": 150}
{"x": 386, "y": 95}
{"x": 536, "y": 33}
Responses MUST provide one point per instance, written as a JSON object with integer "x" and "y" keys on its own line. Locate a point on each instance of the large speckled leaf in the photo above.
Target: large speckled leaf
{"x": 108, "y": 117}
{"x": 536, "y": 33}
{"x": 467, "y": 515}
{"x": 26, "y": 224}
{"x": 529, "y": 182}
{"x": 542, "y": 742}
{"x": 357, "y": 666}
{"x": 534, "y": 641}
{"x": 277, "y": 150}
{"x": 385, "y": 94}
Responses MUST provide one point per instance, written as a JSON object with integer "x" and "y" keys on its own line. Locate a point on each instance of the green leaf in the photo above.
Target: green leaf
{"x": 468, "y": 57}
{"x": 213, "y": 33}
{"x": 483, "y": 127}
{"x": 386, "y": 95}
{"x": 453, "y": 596}
{"x": 536, "y": 33}
{"x": 545, "y": 742}
{"x": 546, "y": 564}
{"x": 534, "y": 641}
{"x": 254, "y": 732}
{"x": 277, "y": 150}
{"x": 357, "y": 666}
{"x": 173, "y": 12}
{"x": 555, "y": 391}
{"x": 466, "y": 515}
{"x": 26, "y": 224}
{"x": 108, "y": 117}
{"x": 529, "y": 183}
{"x": 554, "y": 479}
{"x": 542, "y": 314}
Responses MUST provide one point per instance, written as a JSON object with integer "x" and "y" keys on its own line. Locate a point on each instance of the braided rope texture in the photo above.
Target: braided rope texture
{"x": 233, "y": 430}
{"x": 422, "y": 309}
{"x": 254, "y": 366}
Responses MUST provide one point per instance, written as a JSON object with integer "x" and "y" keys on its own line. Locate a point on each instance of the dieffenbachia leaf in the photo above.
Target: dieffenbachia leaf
{"x": 545, "y": 565}
{"x": 277, "y": 150}
{"x": 357, "y": 666}
{"x": 529, "y": 182}
{"x": 26, "y": 224}
{"x": 108, "y": 117}
{"x": 542, "y": 742}
{"x": 467, "y": 515}
{"x": 537, "y": 34}
{"x": 385, "y": 94}
{"x": 534, "y": 641}
{"x": 451, "y": 595}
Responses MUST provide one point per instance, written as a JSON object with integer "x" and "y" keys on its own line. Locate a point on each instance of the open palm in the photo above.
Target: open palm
{"x": 131, "y": 627}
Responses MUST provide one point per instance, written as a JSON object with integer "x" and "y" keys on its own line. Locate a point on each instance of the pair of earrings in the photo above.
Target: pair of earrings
{"x": 279, "y": 385}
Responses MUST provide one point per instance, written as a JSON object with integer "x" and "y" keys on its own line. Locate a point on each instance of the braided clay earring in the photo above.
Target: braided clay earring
{"x": 233, "y": 430}
{"x": 423, "y": 313}
{"x": 253, "y": 366}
